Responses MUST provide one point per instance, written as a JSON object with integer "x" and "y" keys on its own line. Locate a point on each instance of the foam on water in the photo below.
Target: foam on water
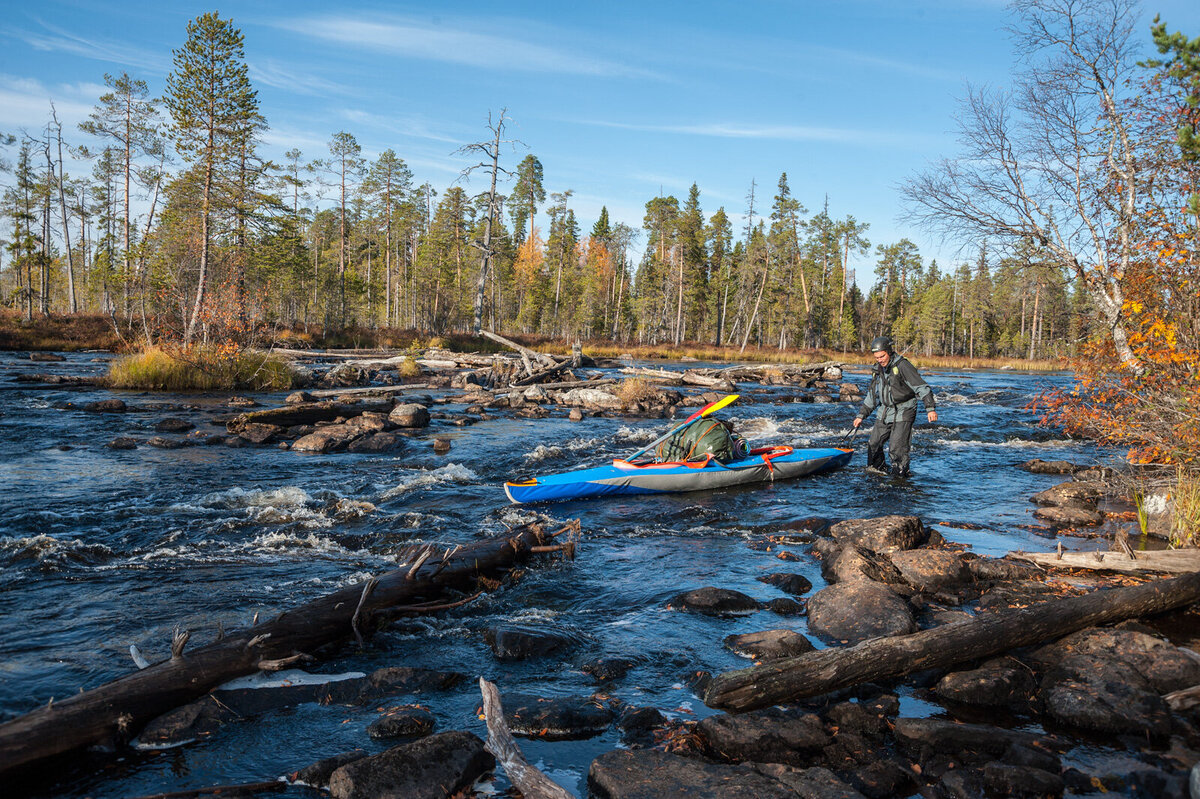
{"x": 48, "y": 551}
{"x": 451, "y": 473}
{"x": 541, "y": 452}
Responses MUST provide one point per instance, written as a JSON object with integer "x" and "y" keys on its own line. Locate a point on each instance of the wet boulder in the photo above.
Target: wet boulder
{"x": 930, "y": 570}
{"x": 521, "y": 642}
{"x": 1069, "y": 516}
{"x": 317, "y": 775}
{"x": 859, "y": 719}
{"x": 923, "y": 739}
{"x": 167, "y": 443}
{"x": 1000, "y": 682}
{"x": 393, "y": 680}
{"x": 769, "y": 644}
{"x": 713, "y": 601}
{"x": 327, "y": 438}
{"x": 408, "y": 721}
{"x": 1038, "y": 466}
{"x": 884, "y": 534}
{"x": 1020, "y": 782}
{"x": 298, "y": 397}
{"x": 560, "y": 719}
{"x": 377, "y": 442}
{"x": 173, "y": 425}
{"x": 1166, "y": 667}
{"x": 409, "y": 415}
{"x": 773, "y": 735}
{"x": 185, "y": 724}
{"x": 46, "y": 357}
{"x": 795, "y": 584}
{"x": 610, "y": 668}
{"x": 785, "y": 606}
{"x": 345, "y": 375}
{"x": 1103, "y": 695}
{"x": 646, "y": 773}
{"x": 857, "y": 563}
{"x": 123, "y": 442}
{"x": 1071, "y": 494}
{"x": 856, "y": 610}
{"x": 259, "y": 433}
{"x": 106, "y": 406}
{"x": 430, "y": 768}
{"x": 639, "y": 723}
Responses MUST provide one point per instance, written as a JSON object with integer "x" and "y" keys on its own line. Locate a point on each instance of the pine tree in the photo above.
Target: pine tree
{"x": 527, "y": 193}
{"x": 211, "y": 103}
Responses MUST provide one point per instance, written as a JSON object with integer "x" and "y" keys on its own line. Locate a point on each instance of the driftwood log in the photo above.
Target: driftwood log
{"x": 367, "y": 391}
{"x": 826, "y": 670}
{"x": 111, "y": 714}
{"x": 526, "y": 354}
{"x": 527, "y": 779}
{"x": 1169, "y": 561}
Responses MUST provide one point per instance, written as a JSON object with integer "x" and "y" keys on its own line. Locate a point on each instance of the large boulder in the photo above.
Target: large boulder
{"x": 882, "y": 534}
{"x": 1069, "y": 516}
{"x": 856, "y": 610}
{"x": 1104, "y": 695}
{"x": 431, "y": 768}
{"x": 409, "y": 414}
{"x": 795, "y": 584}
{"x": 591, "y": 398}
{"x": 1075, "y": 494}
{"x": 651, "y": 774}
{"x": 1001, "y": 682}
{"x": 1166, "y": 667}
{"x": 763, "y": 736}
{"x": 1038, "y": 466}
{"x": 406, "y": 721}
{"x": 714, "y": 601}
{"x": 329, "y": 438}
{"x": 930, "y": 570}
{"x": 769, "y": 644}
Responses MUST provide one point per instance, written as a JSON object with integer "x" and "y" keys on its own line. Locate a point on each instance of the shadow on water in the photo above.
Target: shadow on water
{"x": 102, "y": 548}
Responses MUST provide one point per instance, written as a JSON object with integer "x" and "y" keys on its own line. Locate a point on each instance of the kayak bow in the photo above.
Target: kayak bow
{"x": 623, "y": 478}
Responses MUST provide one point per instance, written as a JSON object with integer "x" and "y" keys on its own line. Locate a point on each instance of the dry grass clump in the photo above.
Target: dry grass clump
{"x": 635, "y": 389}
{"x": 202, "y": 369}
{"x": 1185, "y": 497}
{"x": 409, "y": 368}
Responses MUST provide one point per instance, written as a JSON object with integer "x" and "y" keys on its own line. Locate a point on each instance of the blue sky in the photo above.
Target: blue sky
{"x": 620, "y": 101}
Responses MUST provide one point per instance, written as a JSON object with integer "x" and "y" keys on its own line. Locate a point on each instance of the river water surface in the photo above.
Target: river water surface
{"x": 101, "y": 549}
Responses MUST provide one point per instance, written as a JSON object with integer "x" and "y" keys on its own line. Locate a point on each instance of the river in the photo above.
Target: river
{"x": 103, "y": 548}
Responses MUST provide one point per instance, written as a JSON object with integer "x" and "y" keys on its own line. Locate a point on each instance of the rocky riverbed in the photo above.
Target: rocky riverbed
{"x": 137, "y": 513}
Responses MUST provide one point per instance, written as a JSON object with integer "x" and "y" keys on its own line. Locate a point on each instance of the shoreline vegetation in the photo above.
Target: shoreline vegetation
{"x": 82, "y": 332}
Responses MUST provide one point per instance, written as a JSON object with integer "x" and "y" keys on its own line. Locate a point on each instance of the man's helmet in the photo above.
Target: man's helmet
{"x": 881, "y": 344}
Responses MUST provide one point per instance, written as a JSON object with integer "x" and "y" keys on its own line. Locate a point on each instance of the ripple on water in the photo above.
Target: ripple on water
{"x": 451, "y": 473}
{"x": 52, "y": 554}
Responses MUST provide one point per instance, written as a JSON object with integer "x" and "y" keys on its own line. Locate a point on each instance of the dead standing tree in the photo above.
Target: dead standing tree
{"x": 1053, "y": 161}
{"x": 490, "y": 153}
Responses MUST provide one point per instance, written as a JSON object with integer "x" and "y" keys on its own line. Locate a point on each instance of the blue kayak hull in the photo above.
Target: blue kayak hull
{"x": 625, "y": 479}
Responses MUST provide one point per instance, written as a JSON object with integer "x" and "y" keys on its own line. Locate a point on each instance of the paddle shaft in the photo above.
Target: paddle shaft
{"x": 700, "y": 414}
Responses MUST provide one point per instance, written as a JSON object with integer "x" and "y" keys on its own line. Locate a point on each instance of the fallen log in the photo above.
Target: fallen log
{"x": 1169, "y": 561}
{"x": 109, "y": 715}
{"x": 367, "y": 391}
{"x": 541, "y": 375}
{"x": 526, "y": 353}
{"x": 820, "y": 672}
{"x": 306, "y": 413}
{"x": 527, "y": 779}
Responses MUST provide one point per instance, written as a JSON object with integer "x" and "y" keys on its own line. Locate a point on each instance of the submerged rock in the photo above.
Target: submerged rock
{"x": 714, "y": 601}
{"x": 317, "y": 775}
{"x": 431, "y": 768}
{"x": 613, "y": 668}
{"x": 560, "y": 719}
{"x": 173, "y": 425}
{"x": 795, "y": 584}
{"x": 1070, "y": 516}
{"x": 519, "y": 642}
{"x": 1038, "y": 466}
{"x": 123, "y": 442}
{"x": 411, "y": 721}
{"x": 1072, "y": 494}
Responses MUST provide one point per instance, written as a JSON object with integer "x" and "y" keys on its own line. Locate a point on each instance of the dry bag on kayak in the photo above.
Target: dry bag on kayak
{"x": 692, "y": 443}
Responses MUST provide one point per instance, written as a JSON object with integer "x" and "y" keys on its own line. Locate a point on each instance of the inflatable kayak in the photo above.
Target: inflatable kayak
{"x": 622, "y": 478}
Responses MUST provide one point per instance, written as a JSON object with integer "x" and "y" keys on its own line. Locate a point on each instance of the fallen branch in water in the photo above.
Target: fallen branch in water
{"x": 532, "y": 783}
{"x": 111, "y": 714}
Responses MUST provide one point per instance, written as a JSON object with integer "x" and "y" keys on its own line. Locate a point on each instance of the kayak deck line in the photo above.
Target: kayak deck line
{"x": 622, "y": 477}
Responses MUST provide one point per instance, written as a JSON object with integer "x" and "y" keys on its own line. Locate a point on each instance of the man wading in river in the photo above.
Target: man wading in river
{"x": 895, "y": 388}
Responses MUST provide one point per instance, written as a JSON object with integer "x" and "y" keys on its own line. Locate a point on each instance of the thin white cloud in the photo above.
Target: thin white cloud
{"x": 403, "y": 126}
{"x": 57, "y": 40}
{"x": 886, "y": 65}
{"x": 280, "y": 76}
{"x": 729, "y": 130}
{"x": 409, "y": 39}
{"x": 26, "y": 103}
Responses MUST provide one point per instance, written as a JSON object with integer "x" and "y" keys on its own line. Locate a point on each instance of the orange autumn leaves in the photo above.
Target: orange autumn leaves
{"x": 1151, "y": 408}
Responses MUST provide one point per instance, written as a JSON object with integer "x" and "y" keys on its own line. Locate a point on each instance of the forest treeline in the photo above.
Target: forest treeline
{"x": 183, "y": 230}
